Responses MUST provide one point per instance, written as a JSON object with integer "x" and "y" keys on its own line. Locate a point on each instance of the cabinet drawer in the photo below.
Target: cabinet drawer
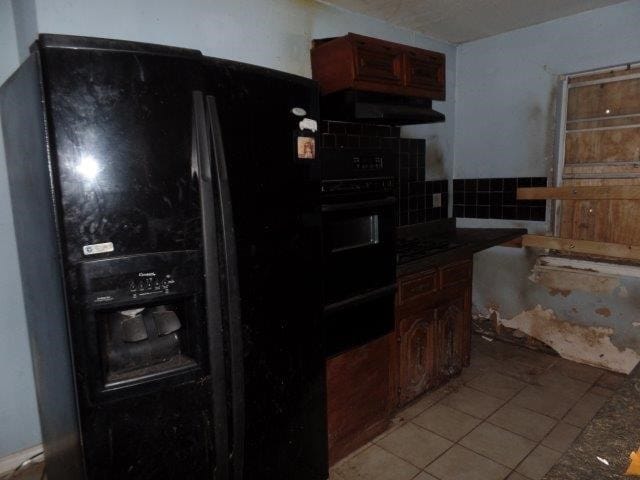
{"x": 456, "y": 273}
{"x": 378, "y": 63}
{"x": 417, "y": 286}
{"x": 425, "y": 71}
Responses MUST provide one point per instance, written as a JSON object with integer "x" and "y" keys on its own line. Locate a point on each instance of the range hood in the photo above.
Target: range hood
{"x": 371, "y": 107}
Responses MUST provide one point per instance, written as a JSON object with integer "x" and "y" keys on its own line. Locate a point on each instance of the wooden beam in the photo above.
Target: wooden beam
{"x": 620, "y": 192}
{"x": 616, "y": 250}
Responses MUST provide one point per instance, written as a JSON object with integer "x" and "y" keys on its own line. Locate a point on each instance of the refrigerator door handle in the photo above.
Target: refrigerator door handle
{"x": 232, "y": 288}
{"x": 201, "y": 152}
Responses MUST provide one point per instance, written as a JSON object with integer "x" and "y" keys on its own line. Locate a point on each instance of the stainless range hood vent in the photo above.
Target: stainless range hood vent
{"x": 369, "y": 107}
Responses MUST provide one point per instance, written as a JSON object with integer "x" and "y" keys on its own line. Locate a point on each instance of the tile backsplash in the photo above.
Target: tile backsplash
{"x": 359, "y": 135}
{"x": 416, "y": 201}
{"x": 496, "y": 198}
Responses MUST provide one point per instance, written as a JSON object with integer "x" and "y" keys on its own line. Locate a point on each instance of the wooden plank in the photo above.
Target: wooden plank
{"x": 608, "y": 192}
{"x": 513, "y": 243}
{"x": 616, "y": 250}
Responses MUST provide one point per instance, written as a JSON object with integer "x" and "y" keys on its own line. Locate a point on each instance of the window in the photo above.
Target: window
{"x": 600, "y": 147}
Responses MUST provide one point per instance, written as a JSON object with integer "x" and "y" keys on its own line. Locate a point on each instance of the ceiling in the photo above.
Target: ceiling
{"x": 459, "y": 21}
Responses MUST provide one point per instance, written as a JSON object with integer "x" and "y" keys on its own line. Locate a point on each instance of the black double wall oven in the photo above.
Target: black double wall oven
{"x": 359, "y": 222}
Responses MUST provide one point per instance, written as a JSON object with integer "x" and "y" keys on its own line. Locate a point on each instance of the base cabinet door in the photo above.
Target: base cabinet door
{"x": 450, "y": 341}
{"x": 433, "y": 329}
{"x": 357, "y": 396}
{"x": 415, "y": 337}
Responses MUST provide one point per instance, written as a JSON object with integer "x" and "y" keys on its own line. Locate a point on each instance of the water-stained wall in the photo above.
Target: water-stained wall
{"x": 506, "y": 110}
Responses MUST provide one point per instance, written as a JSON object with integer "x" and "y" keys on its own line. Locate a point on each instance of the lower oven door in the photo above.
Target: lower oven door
{"x": 359, "y": 247}
{"x": 359, "y": 320}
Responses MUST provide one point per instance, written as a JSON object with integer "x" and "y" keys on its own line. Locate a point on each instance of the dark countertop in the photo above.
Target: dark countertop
{"x": 430, "y": 245}
{"x": 613, "y": 434}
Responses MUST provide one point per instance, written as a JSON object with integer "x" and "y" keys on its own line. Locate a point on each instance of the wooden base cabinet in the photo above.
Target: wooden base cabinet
{"x": 433, "y": 329}
{"x": 430, "y": 344}
{"x": 358, "y": 403}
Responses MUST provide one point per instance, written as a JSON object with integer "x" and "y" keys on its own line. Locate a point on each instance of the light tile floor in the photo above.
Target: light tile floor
{"x": 510, "y": 415}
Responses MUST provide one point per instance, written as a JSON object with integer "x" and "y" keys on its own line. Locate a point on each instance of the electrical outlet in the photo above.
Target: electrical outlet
{"x": 437, "y": 200}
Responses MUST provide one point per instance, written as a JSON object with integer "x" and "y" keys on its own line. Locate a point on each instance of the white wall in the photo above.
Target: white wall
{"x": 19, "y": 427}
{"x": 506, "y": 87}
{"x": 505, "y": 127}
{"x": 272, "y": 33}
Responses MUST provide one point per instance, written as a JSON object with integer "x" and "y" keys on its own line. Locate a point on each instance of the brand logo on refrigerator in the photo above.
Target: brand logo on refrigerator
{"x": 97, "y": 248}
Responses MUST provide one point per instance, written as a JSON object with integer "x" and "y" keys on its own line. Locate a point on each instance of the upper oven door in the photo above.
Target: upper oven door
{"x": 359, "y": 247}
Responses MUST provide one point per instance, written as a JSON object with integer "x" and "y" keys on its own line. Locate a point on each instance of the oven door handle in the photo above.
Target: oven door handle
{"x": 336, "y": 207}
{"x": 362, "y": 298}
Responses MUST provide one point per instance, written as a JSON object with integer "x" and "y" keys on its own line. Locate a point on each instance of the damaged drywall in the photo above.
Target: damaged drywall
{"x": 585, "y": 344}
{"x": 586, "y": 311}
{"x": 564, "y": 280}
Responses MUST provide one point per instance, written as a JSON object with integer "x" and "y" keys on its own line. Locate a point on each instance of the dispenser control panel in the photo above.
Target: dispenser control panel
{"x": 139, "y": 277}
{"x": 150, "y": 282}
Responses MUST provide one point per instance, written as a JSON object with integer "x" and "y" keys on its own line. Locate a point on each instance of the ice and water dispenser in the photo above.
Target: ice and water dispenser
{"x": 144, "y": 318}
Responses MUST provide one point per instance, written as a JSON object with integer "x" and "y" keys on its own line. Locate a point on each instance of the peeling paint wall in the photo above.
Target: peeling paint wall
{"x": 585, "y": 315}
{"x": 506, "y": 110}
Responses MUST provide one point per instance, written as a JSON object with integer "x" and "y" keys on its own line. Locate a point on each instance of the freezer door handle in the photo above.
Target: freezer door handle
{"x": 231, "y": 288}
{"x": 201, "y": 151}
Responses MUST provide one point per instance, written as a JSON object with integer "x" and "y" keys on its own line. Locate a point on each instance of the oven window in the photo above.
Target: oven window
{"x": 353, "y": 233}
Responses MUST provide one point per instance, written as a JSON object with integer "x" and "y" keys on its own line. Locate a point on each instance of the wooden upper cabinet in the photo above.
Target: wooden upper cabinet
{"x": 369, "y": 64}
{"x": 377, "y": 64}
{"x": 424, "y": 70}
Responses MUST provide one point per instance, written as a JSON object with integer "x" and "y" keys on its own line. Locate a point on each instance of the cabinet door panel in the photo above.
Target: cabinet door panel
{"x": 451, "y": 338}
{"x": 425, "y": 71}
{"x": 416, "y": 354}
{"x": 357, "y": 397}
{"x": 378, "y": 63}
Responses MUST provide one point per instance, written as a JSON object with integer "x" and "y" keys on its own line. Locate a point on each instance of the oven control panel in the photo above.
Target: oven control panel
{"x": 369, "y": 163}
{"x": 341, "y": 164}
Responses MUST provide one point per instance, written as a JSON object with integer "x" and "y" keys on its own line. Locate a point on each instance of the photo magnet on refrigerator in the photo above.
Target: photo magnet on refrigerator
{"x": 306, "y": 147}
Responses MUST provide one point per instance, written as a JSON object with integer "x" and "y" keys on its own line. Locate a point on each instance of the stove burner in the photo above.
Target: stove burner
{"x": 413, "y": 249}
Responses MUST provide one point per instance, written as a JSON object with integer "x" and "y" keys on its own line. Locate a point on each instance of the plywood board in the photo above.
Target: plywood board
{"x": 581, "y": 192}
{"x": 603, "y": 146}
{"x": 615, "y": 98}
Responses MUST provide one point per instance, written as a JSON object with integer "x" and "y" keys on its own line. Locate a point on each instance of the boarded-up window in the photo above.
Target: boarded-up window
{"x": 600, "y": 146}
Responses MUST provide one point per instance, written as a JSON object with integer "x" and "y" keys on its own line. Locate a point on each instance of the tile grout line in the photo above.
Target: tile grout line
{"x": 504, "y": 402}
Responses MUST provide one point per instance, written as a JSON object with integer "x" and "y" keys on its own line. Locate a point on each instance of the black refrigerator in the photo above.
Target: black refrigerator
{"x": 167, "y": 217}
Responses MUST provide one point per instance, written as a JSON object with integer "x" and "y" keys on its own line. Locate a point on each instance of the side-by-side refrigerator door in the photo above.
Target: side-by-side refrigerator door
{"x": 139, "y": 226}
{"x": 266, "y": 125}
